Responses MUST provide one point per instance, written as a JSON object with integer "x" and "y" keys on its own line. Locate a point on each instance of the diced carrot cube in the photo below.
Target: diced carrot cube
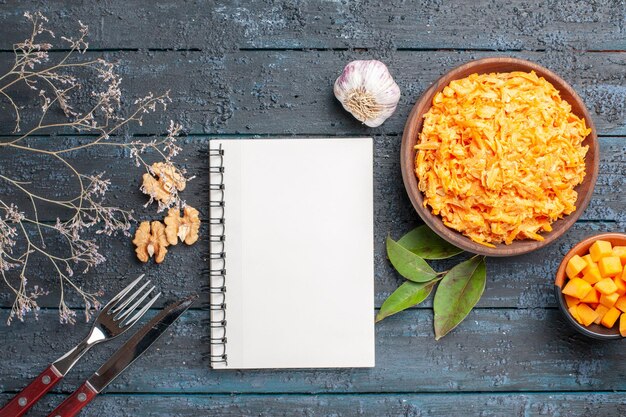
{"x": 592, "y": 274}
{"x": 620, "y": 252}
{"x": 624, "y": 274}
{"x": 621, "y": 285}
{"x": 592, "y": 297}
{"x": 571, "y": 301}
{"x": 586, "y": 314}
{"x": 610, "y": 266}
{"x": 610, "y": 317}
{"x": 601, "y": 311}
{"x": 600, "y": 249}
{"x": 609, "y": 299}
{"x": 575, "y": 265}
{"x": 622, "y": 325}
{"x": 573, "y": 310}
{"x": 588, "y": 261}
{"x": 578, "y": 288}
{"x": 606, "y": 286}
{"x": 621, "y": 303}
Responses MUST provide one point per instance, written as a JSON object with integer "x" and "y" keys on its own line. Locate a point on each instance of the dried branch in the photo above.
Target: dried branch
{"x": 55, "y": 83}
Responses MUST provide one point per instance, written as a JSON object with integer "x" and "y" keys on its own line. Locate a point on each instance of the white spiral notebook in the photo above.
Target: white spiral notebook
{"x": 291, "y": 262}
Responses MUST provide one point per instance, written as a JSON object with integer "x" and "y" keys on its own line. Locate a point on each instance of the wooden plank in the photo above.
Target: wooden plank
{"x": 380, "y": 405}
{"x": 524, "y": 281}
{"x": 520, "y": 281}
{"x": 492, "y": 350}
{"x": 201, "y": 51}
{"x": 216, "y": 26}
{"x": 182, "y": 273}
{"x": 48, "y": 177}
{"x": 285, "y": 93}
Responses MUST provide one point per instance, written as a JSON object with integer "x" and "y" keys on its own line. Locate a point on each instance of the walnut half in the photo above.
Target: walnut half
{"x": 151, "y": 241}
{"x": 165, "y": 182}
{"x": 184, "y": 228}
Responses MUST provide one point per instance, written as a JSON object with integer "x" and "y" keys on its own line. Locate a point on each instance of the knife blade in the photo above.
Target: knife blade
{"x": 132, "y": 349}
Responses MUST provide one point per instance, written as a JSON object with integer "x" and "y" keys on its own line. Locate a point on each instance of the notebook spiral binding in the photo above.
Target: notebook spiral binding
{"x": 217, "y": 259}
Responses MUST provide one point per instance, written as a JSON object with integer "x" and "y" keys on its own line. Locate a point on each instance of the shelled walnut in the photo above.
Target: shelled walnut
{"x": 151, "y": 241}
{"x": 184, "y": 228}
{"x": 163, "y": 183}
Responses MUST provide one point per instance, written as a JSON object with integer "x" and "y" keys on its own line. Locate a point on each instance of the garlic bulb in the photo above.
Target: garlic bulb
{"x": 367, "y": 90}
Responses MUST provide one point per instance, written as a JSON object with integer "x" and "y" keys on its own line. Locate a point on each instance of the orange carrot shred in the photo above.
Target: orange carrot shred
{"x": 499, "y": 156}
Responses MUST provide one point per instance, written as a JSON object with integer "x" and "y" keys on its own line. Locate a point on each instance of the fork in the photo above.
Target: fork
{"x": 114, "y": 319}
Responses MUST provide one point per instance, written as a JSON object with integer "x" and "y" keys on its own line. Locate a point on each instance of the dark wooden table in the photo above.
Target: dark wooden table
{"x": 266, "y": 68}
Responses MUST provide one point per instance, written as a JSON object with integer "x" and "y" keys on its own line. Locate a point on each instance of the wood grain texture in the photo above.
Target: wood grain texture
{"x": 266, "y": 67}
{"x": 519, "y": 282}
{"x": 346, "y": 405}
{"x": 493, "y": 350}
{"x": 48, "y": 176}
{"x": 512, "y": 282}
{"x": 516, "y": 24}
{"x": 267, "y": 92}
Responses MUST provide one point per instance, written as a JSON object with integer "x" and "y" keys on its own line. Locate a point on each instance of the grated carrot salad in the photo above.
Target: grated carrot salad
{"x": 499, "y": 156}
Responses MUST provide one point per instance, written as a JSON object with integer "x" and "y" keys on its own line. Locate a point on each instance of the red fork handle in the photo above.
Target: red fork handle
{"x": 75, "y": 402}
{"x": 23, "y": 401}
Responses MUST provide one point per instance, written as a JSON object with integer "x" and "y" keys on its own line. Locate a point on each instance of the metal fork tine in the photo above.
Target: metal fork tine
{"x": 111, "y": 321}
{"x": 127, "y": 311}
{"x": 129, "y": 299}
{"x": 140, "y": 313}
{"x": 114, "y": 301}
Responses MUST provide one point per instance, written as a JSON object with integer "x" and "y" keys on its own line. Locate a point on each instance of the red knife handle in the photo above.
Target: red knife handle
{"x": 23, "y": 401}
{"x": 75, "y": 402}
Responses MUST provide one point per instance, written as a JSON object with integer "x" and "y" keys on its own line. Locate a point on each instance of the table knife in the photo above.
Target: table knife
{"x": 119, "y": 315}
{"x": 122, "y": 358}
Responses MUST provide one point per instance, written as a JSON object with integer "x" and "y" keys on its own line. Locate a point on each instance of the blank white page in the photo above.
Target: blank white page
{"x": 299, "y": 252}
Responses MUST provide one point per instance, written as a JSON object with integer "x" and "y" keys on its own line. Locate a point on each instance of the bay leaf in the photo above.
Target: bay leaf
{"x": 405, "y": 296}
{"x": 408, "y": 264}
{"x": 457, "y": 293}
{"x": 427, "y": 244}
